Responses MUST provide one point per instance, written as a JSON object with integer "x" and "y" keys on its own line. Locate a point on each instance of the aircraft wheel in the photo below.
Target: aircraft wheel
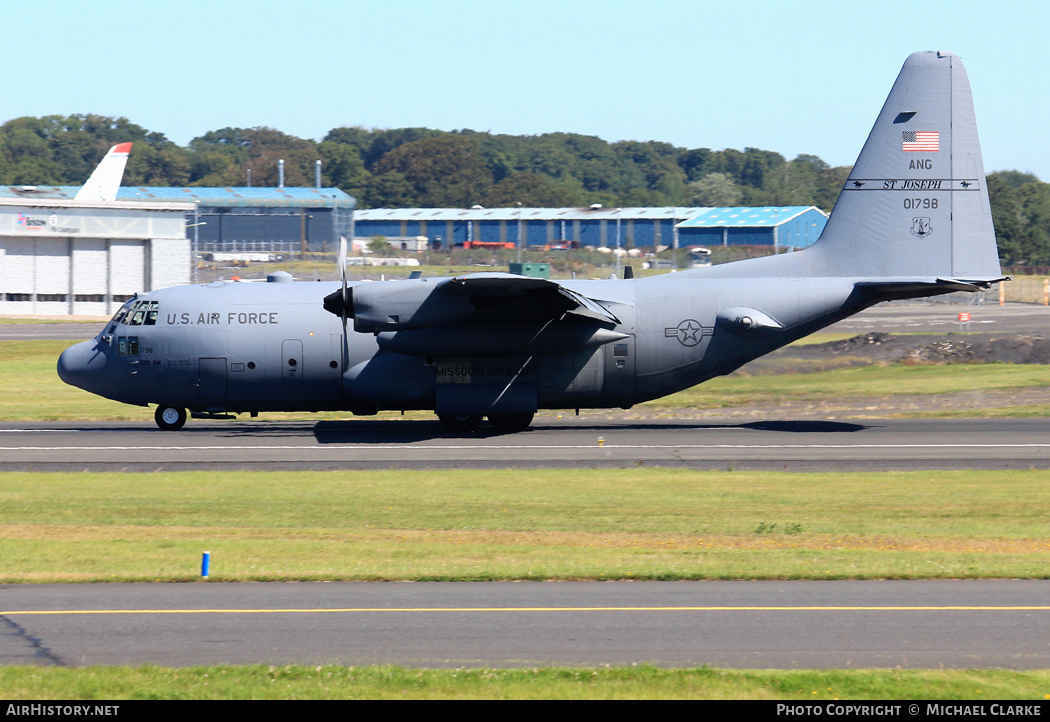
{"x": 460, "y": 423}
{"x": 511, "y": 422}
{"x": 170, "y": 418}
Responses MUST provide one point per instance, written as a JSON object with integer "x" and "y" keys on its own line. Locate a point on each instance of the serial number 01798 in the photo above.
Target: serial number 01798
{"x": 916, "y": 203}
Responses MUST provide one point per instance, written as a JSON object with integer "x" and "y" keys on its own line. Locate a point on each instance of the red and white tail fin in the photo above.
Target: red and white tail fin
{"x": 105, "y": 180}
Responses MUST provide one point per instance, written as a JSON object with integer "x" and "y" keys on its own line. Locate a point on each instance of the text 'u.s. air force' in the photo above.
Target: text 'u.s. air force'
{"x": 214, "y": 318}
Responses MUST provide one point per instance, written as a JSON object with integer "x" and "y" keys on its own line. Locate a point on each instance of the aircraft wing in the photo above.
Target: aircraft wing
{"x": 484, "y": 288}
{"x": 479, "y": 314}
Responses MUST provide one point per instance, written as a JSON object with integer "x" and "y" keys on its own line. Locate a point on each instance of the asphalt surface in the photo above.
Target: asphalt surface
{"x": 892, "y": 444}
{"x": 1021, "y": 318}
{"x": 950, "y": 624}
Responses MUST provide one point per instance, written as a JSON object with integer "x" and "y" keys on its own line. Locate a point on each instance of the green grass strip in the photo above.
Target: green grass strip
{"x": 631, "y": 682}
{"x": 524, "y": 524}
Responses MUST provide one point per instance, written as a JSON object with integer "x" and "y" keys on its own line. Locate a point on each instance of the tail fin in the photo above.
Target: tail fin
{"x": 916, "y": 203}
{"x": 105, "y": 180}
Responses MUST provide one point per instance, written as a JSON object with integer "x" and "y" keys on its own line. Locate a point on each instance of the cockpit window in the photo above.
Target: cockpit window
{"x": 140, "y": 313}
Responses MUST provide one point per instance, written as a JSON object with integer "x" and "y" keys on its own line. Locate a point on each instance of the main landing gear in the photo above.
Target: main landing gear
{"x": 470, "y": 422}
{"x": 170, "y": 418}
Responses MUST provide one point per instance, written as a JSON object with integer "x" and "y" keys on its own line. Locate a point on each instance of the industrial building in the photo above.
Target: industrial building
{"x": 786, "y": 226}
{"x": 273, "y": 220}
{"x": 59, "y": 256}
{"x": 778, "y": 226}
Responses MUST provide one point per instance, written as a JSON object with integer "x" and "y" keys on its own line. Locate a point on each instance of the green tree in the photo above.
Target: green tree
{"x": 342, "y": 167}
{"x": 531, "y": 190}
{"x": 715, "y": 190}
{"x": 388, "y": 190}
{"x": 444, "y": 172}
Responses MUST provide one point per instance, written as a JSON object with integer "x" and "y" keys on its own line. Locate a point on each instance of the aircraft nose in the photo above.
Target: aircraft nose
{"x": 84, "y": 366}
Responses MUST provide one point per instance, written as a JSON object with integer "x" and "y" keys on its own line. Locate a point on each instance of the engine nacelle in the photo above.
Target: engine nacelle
{"x": 405, "y": 305}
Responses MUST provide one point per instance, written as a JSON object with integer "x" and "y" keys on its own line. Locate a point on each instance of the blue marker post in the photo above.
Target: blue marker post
{"x": 205, "y": 563}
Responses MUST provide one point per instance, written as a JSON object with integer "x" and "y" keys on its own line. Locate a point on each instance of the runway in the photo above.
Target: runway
{"x": 952, "y": 624}
{"x": 888, "y": 444}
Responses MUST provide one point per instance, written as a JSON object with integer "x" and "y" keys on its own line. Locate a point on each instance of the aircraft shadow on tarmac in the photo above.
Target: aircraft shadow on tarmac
{"x": 407, "y": 431}
{"x": 402, "y": 432}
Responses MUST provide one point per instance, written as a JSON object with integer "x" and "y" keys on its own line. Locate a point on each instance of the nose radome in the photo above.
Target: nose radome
{"x": 84, "y": 366}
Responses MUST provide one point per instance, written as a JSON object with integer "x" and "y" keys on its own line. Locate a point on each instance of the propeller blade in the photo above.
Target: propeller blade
{"x": 342, "y": 270}
{"x": 345, "y": 301}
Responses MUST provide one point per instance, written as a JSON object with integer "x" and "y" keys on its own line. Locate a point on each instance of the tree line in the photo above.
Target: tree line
{"x": 421, "y": 167}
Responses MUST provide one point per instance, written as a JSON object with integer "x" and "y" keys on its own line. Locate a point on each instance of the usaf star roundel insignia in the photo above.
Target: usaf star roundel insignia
{"x": 688, "y": 332}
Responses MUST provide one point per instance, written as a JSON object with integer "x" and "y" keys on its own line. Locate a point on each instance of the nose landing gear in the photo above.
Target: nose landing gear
{"x": 170, "y": 418}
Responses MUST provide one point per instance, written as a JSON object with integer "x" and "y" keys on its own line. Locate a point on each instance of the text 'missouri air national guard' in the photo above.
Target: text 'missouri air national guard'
{"x": 913, "y": 220}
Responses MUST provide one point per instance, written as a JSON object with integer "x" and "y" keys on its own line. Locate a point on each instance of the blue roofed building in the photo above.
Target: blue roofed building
{"x": 275, "y": 220}
{"x": 777, "y": 226}
{"x": 539, "y": 227}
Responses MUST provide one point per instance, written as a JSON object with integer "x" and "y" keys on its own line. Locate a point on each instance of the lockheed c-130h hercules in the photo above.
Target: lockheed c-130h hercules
{"x": 913, "y": 220}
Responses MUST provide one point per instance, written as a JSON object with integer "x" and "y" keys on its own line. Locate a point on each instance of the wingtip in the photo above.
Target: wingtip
{"x": 121, "y": 148}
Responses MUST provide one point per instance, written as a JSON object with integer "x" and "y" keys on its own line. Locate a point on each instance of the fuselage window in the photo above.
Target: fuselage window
{"x": 133, "y": 345}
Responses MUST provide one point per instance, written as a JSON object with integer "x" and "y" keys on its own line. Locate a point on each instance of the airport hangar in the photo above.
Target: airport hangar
{"x": 64, "y": 257}
{"x": 61, "y": 257}
{"x": 777, "y": 226}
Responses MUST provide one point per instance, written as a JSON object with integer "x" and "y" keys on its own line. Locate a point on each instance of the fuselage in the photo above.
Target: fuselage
{"x": 250, "y": 347}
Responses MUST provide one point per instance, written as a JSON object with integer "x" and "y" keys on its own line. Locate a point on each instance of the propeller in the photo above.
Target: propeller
{"x": 340, "y": 303}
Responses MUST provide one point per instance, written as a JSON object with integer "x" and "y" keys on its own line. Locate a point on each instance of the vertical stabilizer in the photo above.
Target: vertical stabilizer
{"x": 916, "y": 203}
{"x": 105, "y": 180}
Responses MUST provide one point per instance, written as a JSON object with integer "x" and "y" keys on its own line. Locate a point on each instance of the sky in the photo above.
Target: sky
{"x": 795, "y": 78}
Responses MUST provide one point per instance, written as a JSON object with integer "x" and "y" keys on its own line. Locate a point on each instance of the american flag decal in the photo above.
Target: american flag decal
{"x": 921, "y": 141}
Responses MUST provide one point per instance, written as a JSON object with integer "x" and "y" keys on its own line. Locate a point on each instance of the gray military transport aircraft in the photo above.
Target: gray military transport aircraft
{"x": 913, "y": 220}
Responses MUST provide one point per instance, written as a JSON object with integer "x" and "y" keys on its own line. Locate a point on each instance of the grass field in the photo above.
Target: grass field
{"x": 516, "y": 524}
{"x": 633, "y": 682}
